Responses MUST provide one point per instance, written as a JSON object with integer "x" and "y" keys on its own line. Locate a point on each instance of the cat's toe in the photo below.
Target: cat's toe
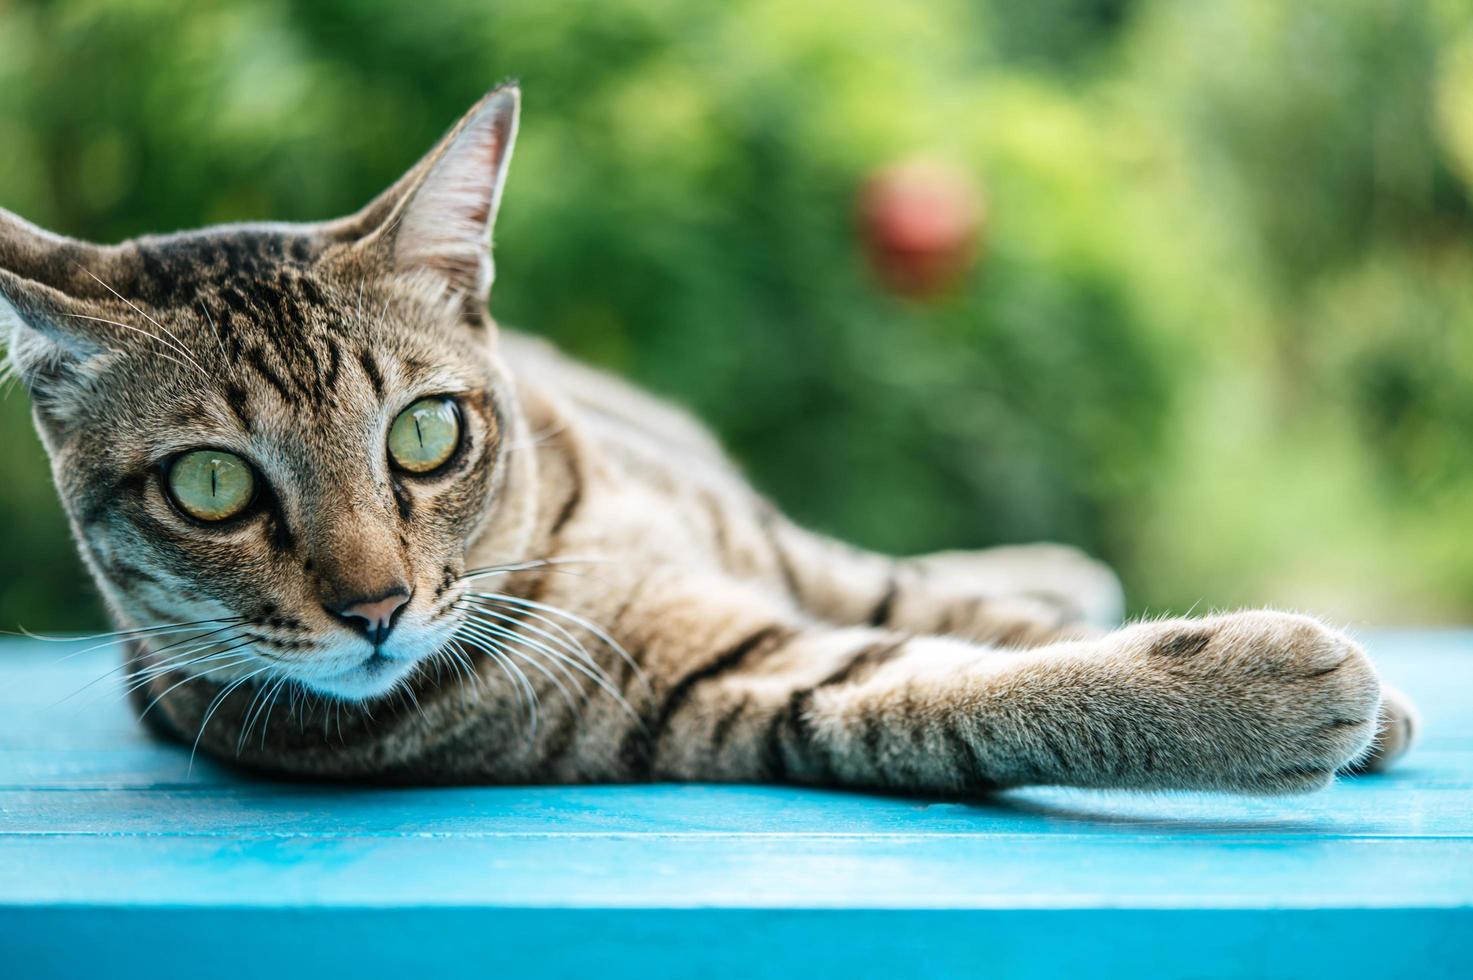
{"x": 1332, "y": 686}
{"x": 1397, "y": 728}
{"x": 1312, "y": 694}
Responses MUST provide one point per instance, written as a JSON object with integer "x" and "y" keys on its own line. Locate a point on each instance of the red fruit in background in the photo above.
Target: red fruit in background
{"x": 920, "y": 222}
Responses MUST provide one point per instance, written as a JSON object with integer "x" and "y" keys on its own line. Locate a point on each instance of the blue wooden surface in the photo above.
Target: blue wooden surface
{"x": 117, "y": 859}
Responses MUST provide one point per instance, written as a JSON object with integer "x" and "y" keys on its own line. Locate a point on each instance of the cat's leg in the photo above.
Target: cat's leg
{"x": 1251, "y": 702}
{"x": 1083, "y": 589}
{"x": 1017, "y": 596}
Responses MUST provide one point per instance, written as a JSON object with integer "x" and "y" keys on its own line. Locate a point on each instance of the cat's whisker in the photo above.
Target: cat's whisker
{"x": 300, "y": 702}
{"x": 112, "y": 643}
{"x": 169, "y": 646}
{"x": 268, "y": 691}
{"x": 287, "y": 684}
{"x": 333, "y": 712}
{"x": 214, "y": 706}
{"x": 526, "y": 692}
{"x": 407, "y": 690}
{"x": 563, "y": 661}
{"x": 598, "y": 679}
{"x": 514, "y": 640}
{"x": 466, "y": 671}
{"x": 457, "y": 656}
{"x": 178, "y": 344}
{"x": 186, "y": 658}
{"x": 537, "y": 439}
{"x": 530, "y": 564}
{"x": 466, "y": 658}
{"x": 9, "y": 377}
{"x": 168, "y": 662}
{"x": 494, "y": 635}
{"x": 138, "y": 330}
{"x": 260, "y": 702}
{"x": 439, "y": 670}
{"x": 484, "y": 573}
{"x": 292, "y": 698}
{"x": 500, "y": 600}
{"x": 155, "y": 663}
{"x": 577, "y": 620}
{"x": 215, "y": 329}
{"x": 574, "y": 703}
{"x": 175, "y": 661}
{"x": 125, "y": 634}
{"x": 564, "y": 639}
{"x": 138, "y": 670}
{"x": 235, "y": 662}
{"x": 586, "y": 666}
{"x": 257, "y": 690}
{"x": 146, "y": 676}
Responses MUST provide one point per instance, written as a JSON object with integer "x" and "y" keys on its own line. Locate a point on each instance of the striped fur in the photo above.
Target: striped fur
{"x": 598, "y": 594}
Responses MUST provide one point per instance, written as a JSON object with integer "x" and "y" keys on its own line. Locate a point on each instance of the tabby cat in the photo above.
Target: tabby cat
{"x": 352, "y": 529}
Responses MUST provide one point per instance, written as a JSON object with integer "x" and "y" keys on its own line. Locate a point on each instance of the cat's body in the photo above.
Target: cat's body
{"x": 639, "y": 612}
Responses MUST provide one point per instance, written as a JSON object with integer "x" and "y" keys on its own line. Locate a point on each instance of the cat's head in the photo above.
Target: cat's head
{"x": 289, "y": 433}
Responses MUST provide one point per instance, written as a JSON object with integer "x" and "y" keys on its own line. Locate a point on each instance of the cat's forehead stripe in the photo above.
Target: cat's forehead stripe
{"x": 239, "y": 268}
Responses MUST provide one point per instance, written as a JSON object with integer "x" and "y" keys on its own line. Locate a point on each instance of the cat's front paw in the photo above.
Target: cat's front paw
{"x": 1397, "y": 728}
{"x": 1282, "y": 701}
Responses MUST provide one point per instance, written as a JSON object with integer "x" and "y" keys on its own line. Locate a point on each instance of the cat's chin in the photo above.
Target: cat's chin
{"x": 376, "y": 676}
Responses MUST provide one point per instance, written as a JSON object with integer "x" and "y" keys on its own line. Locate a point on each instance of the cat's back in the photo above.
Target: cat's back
{"x": 613, "y": 410}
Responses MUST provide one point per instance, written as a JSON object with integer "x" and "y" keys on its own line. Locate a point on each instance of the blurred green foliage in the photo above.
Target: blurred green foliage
{"x": 1221, "y": 331}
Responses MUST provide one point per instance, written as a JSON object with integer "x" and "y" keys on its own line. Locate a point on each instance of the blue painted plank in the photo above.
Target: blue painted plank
{"x": 734, "y": 944}
{"x": 732, "y": 871}
{"x": 1430, "y": 800}
{"x": 106, "y": 837}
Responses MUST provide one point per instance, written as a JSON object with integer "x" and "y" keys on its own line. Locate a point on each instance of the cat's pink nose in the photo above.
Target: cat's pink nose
{"x": 375, "y": 617}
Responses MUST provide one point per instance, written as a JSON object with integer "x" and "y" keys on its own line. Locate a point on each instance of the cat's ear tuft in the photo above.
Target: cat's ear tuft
{"x": 49, "y": 347}
{"x": 50, "y": 338}
{"x": 39, "y": 327}
{"x": 444, "y": 221}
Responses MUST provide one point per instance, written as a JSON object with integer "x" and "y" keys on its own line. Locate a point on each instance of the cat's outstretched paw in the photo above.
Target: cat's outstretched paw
{"x": 1397, "y": 728}
{"x": 1281, "y": 701}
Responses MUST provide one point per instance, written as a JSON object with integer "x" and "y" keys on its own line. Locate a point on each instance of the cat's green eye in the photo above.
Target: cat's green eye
{"x": 211, "y": 485}
{"x": 425, "y": 435}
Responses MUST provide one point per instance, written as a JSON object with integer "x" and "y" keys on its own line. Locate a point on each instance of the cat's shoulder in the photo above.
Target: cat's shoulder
{"x": 601, "y": 397}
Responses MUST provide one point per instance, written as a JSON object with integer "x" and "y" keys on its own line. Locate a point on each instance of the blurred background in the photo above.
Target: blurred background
{"x": 1188, "y": 285}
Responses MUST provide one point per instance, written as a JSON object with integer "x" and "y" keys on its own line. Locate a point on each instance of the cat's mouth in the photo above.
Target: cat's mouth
{"x": 375, "y": 675}
{"x": 361, "y": 670}
{"x": 376, "y": 663}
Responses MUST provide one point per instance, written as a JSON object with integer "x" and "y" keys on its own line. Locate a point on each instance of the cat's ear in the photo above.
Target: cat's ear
{"x": 439, "y": 218}
{"x": 50, "y": 337}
